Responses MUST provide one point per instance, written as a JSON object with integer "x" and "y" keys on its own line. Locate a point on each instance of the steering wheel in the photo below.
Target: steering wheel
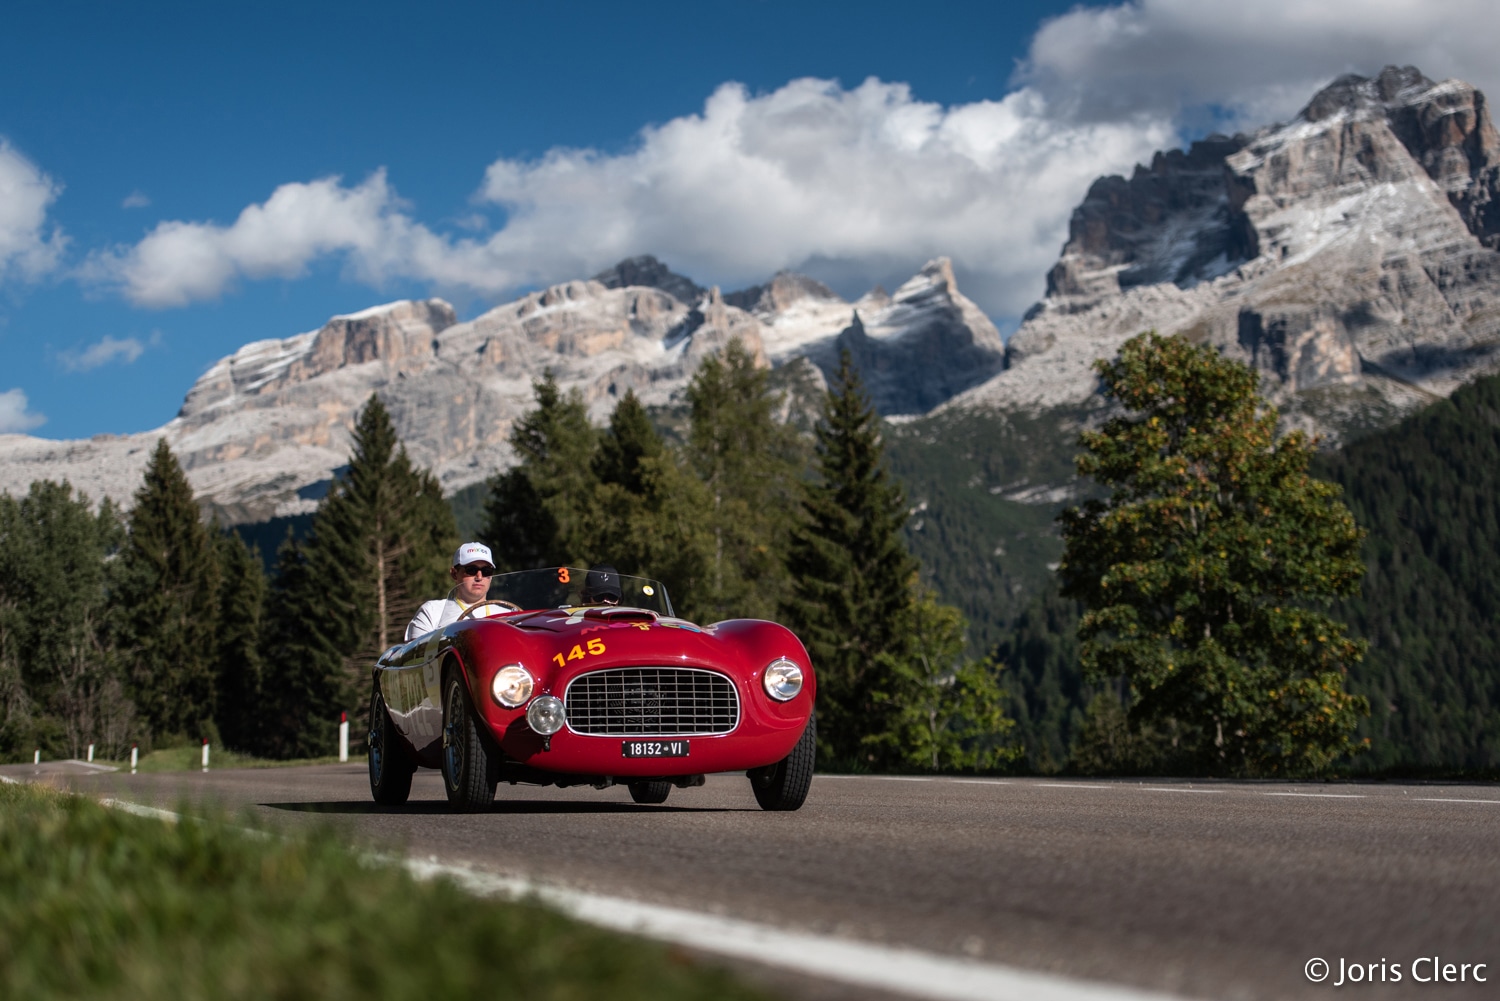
{"x": 469, "y": 612}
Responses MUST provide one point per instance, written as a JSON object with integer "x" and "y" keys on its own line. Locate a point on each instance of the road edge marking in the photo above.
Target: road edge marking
{"x": 891, "y": 968}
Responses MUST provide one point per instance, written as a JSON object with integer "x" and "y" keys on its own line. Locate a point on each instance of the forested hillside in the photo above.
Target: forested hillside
{"x": 1428, "y": 491}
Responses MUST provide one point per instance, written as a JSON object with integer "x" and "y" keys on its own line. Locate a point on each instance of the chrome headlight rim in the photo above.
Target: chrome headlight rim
{"x": 546, "y": 715}
{"x": 512, "y": 686}
{"x": 782, "y": 680}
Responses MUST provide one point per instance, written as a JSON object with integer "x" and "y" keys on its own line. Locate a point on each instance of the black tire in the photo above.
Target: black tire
{"x": 650, "y": 792}
{"x": 468, "y": 775}
{"x": 784, "y": 785}
{"x": 391, "y": 764}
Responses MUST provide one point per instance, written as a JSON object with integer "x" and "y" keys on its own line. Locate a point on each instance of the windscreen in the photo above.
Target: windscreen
{"x": 559, "y": 587}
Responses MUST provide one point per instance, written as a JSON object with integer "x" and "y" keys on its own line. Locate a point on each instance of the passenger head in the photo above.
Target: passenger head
{"x": 602, "y": 585}
{"x": 472, "y": 569}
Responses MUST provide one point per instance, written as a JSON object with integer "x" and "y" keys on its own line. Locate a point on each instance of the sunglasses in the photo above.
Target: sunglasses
{"x": 474, "y": 571}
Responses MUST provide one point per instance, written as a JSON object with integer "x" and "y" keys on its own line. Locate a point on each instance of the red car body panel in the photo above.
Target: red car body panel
{"x": 559, "y": 645}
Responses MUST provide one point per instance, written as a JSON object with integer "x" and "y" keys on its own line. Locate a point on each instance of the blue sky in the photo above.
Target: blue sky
{"x": 388, "y": 150}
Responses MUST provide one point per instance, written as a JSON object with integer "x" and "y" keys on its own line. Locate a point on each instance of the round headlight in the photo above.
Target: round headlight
{"x": 545, "y": 715}
{"x": 783, "y": 680}
{"x": 512, "y": 686}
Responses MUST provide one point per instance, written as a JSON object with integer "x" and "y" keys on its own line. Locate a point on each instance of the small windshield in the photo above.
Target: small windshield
{"x": 558, "y": 587}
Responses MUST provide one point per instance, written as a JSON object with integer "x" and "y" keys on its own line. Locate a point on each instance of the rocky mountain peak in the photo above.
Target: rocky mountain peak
{"x": 646, "y": 271}
{"x": 779, "y": 294}
{"x": 1347, "y": 255}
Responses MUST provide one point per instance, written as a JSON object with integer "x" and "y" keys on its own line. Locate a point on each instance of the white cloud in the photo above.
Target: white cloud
{"x": 14, "y": 415}
{"x": 179, "y": 262}
{"x": 135, "y": 200}
{"x": 867, "y": 177}
{"x": 812, "y": 171}
{"x": 28, "y": 248}
{"x": 107, "y": 349}
{"x": 1260, "y": 61}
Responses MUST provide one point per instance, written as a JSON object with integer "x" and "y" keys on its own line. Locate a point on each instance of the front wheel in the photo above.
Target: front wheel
{"x": 467, "y": 775}
{"x": 784, "y": 785}
{"x": 650, "y": 792}
{"x": 391, "y": 764}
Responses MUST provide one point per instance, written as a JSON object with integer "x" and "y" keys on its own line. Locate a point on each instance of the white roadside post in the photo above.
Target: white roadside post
{"x": 91, "y": 754}
{"x": 343, "y": 736}
{"x": 205, "y": 754}
{"x": 135, "y": 756}
{"x": 36, "y": 757}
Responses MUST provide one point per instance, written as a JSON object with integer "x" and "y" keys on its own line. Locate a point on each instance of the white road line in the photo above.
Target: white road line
{"x": 150, "y": 812}
{"x": 1318, "y": 795}
{"x": 1207, "y": 792}
{"x": 1441, "y": 799}
{"x": 92, "y": 765}
{"x": 1071, "y": 785}
{"x": 891, "y": 968}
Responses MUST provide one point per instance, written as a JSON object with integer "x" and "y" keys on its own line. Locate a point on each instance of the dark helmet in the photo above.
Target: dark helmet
{"x": 602, "y": 585}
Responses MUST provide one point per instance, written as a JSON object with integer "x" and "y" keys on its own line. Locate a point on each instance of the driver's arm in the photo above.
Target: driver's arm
{"x": 428, "y": 618}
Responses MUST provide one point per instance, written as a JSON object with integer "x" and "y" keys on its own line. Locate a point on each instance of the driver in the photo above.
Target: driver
{"x": 473, "y": 566}
{"x": 602, "y": 586}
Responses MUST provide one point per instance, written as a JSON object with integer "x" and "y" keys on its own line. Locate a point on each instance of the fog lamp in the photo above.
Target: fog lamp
{"x": 783, "y": 679}
{"x": 545, "y": 715}
{"x": 512, "y": 686}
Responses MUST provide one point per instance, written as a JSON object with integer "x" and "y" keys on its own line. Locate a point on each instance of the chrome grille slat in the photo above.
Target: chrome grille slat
{"x": 652, "y": 702}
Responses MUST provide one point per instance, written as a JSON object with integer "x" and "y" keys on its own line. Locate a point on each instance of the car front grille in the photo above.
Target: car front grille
{"x": 652, "y": 702}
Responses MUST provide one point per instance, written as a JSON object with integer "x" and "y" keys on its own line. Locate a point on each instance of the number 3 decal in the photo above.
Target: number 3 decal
{"x": 563, "y": 576}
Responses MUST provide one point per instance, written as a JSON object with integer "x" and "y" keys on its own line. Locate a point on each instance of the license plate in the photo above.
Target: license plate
{"x": 655, "y": 749}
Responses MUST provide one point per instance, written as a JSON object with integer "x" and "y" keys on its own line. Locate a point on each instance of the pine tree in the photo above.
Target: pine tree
{"x": 649, "y": 507}
{"x": 748, "y": 464}
{"x": 303, "y": 685}
{"x": 167, "y": 604}
{"x": 851, "y": 575}
{"x": 242, "y": 596}
{"x": 542, "y": 512}
{"x": 1204, "y": 571}
{"x": 379, "y": 545}
{"x": 59, "y": 680}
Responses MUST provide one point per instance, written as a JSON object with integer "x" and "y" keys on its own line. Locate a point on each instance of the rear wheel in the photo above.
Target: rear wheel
{"x": 467, "y": 775}
{"x": 391, "y": 764}
{"x": 784, "y": 785}
{"x": 650, "y": 792}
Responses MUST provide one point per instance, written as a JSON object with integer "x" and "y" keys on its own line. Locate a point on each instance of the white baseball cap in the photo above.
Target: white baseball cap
{"x": 473, "y": 552}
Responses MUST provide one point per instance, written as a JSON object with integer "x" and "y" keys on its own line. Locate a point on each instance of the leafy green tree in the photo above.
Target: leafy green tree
{"x": 167, "y": 604}
{"x": 851, "y": 595}
{"x": 748, "y": 464}
{"x": 1204, "y": 570}
{"x": 946, "y": 712}
{"x": 542, "y": 512}
{"x": 379, "y": 545}
{"x": 242, "y": 596}
{"x": 60, "y": 687}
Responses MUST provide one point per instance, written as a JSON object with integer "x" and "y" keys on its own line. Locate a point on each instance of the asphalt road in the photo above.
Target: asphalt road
{"x": 1220, "y": 890}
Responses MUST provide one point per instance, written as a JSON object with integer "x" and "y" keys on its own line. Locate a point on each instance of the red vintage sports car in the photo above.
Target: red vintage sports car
{"x": 553, "y": 690}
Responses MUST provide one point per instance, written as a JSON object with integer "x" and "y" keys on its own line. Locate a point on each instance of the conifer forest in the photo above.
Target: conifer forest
{"x": 1222, "y": 599}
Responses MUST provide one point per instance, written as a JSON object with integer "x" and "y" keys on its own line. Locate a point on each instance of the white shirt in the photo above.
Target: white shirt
{"x": 440, "y": 612}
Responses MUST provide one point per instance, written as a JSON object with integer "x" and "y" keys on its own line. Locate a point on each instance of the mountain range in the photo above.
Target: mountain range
{"x": 1349, "y": 255}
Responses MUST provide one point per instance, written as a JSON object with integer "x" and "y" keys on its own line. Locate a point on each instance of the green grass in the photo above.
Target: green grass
{"x": 96, "y": 903}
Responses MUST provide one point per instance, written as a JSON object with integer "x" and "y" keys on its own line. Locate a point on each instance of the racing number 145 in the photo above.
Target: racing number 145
{"x": 592, "y": 648}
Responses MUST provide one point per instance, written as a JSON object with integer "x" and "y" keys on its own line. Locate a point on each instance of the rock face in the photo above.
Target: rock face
{"x": 1348, "y": 255}
{"x": 261, "y": 432}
